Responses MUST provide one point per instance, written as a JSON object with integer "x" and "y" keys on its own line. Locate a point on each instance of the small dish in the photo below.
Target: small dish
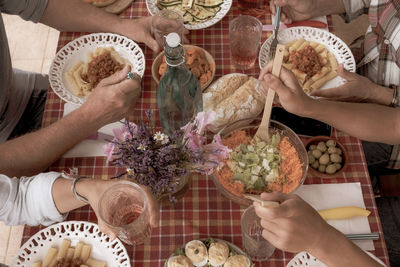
{"x": 159, "y": 59}
{"x": 314, "y": 141}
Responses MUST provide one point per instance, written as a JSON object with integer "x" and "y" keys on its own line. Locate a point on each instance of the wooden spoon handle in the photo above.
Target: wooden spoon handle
{"x": 276, "y": 69}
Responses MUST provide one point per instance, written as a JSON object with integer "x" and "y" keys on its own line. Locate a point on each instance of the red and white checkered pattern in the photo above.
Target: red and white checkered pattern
{"x": 203, "y": 212}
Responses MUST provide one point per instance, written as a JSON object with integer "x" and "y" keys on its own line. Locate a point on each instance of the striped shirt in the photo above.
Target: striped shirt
{"x": 379, "y": 57}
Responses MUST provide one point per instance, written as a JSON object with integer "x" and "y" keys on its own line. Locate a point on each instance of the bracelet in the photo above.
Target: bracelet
{"x": 75, "y": 179}
{"x": 81, "y": 198}
{"x": 394, "y": 102}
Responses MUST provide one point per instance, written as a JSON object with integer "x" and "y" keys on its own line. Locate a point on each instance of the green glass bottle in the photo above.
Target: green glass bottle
{"x": 179, "y": 95}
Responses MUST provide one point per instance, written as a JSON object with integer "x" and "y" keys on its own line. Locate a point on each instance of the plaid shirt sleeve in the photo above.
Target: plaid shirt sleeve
{"x": 355, "y": 8}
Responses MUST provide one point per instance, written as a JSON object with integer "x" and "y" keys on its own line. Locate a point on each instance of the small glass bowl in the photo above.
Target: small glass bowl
{"x": 251, "y": 126}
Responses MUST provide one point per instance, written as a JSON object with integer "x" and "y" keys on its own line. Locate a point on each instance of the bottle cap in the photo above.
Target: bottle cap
{"x": 173, "y": 39}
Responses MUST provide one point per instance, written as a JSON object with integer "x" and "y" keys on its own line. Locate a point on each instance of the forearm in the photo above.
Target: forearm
{"x": 34, "y": 152}
{"x": 368, "y": 122}
{"x": 335, "y": 250}
{"x": 64, "y": 198}
{"x": 380, "y": 95}
{"x": 327, "y": 7}
{"x": 76, "y": 15}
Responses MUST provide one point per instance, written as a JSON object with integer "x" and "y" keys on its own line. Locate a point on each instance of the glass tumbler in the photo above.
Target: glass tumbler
{"x": 245, "y": 36}
{"x": 254, "y": 244}
{"x": 124, "y": 209}
{"x": 164, "y": 22}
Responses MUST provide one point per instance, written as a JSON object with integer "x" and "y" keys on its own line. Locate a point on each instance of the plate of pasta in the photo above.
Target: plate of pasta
{"x": 79, "y": 66}
{"x": 313, "y": 55}
{"x": 77, "y": 243}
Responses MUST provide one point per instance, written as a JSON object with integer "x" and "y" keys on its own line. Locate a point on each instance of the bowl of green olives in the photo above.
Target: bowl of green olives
{"x": 326, "y": 156}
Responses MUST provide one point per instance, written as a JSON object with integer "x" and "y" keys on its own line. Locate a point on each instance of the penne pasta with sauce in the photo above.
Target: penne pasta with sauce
{"x": 311, "y": 62}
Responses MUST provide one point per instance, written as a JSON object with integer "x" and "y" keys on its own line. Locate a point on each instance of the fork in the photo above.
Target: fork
{"x": 272, "y": 49}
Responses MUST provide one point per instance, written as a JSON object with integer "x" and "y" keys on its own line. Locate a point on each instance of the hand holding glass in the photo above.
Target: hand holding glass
{"x": 124, "y": 208}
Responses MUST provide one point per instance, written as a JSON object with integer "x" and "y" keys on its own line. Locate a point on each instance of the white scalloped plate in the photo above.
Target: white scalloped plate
{"x": 35, "y": 249}
{"x": 333, "y": 43}
{"x": 304, "y": 259}
{"x": 78, "y": 50}
{"x": 225, "y": 7}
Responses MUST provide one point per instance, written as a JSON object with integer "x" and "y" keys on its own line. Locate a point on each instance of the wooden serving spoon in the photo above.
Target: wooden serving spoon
{"x": 263, "y": 129}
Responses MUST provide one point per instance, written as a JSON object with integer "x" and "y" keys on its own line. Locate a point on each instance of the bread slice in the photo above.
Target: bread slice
{"x": 245, "y": 102}
{"x": 224, "y": 88}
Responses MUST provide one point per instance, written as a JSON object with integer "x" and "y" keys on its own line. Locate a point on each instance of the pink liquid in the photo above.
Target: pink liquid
{"x": 243, "y": 58}
{"x": 135, "y": 230}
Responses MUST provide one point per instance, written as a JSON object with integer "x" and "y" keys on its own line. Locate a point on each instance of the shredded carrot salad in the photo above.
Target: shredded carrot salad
{"x": 290, "y": 167}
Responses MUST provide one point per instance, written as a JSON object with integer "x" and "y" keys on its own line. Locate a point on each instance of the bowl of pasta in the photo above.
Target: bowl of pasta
{"x": 77, "y": 243}
{"x": 313, "y": 55}
{"x": 82, "y": 63}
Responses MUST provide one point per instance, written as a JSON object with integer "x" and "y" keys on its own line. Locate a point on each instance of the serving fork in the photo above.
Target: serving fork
{"x": 272, "y": 49}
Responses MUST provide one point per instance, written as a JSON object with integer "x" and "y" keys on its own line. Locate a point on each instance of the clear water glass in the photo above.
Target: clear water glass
{"x": 256, "y": 247}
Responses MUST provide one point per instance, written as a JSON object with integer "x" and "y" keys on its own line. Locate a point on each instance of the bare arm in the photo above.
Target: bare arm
{"x": 295, "y": 226}
{"x": 369, "y": 122}
{"x": 294, "y": 10}
{"x": 75, "y": 15}
{"x": 27, "y": 155}
{"x": 92, "y": 189}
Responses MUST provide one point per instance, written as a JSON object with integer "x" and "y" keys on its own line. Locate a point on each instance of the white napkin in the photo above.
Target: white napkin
{"x": 326, "y": 196}
{"x": 94, "y": 145}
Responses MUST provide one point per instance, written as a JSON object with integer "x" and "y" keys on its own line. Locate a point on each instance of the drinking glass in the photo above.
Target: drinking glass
{"x": 254, "y": 244}
{"x": 245, "y": 36}
{"x": 124, "y": 208}
{"x": 164, "y": 22}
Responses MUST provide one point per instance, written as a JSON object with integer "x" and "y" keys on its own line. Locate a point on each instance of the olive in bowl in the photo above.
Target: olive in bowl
{"x": 326, "y": 156}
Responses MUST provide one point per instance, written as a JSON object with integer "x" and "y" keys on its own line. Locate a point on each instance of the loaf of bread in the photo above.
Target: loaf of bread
{"x": 234, "y": 98}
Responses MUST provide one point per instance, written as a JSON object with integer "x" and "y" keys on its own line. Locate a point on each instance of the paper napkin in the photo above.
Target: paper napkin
{"x": 93, "y": 146}
{"x": 326, "y": 196}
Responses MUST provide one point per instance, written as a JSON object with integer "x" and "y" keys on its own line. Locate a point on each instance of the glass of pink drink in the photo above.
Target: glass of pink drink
{"x": 245, "y": 36}
{"x": 124, "y": 209}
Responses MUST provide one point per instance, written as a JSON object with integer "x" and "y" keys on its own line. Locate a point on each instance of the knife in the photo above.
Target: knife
{"x": 306, "y": 23}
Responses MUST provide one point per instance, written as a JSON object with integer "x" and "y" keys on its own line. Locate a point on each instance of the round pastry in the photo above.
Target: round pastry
{"x": 196, "y": 251}
{"x": 237, "y": 261}
{"x": 218, "y": 253}
{"x": 179, "y": 261}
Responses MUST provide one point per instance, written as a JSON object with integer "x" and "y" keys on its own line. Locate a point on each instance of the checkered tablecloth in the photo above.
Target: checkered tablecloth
{"x": 203, "y": 212}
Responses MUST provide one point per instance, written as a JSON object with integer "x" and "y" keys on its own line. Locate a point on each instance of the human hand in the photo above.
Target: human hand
{"x": 141, "y": 30}
{"x": 356, "y": 89}
{"x": 114, "y": 98}
{"x": 293, "y": 226}
{"x": 293, "y": 10}
{"x": 291, "y": 95}
{"x": 100, "y": 186}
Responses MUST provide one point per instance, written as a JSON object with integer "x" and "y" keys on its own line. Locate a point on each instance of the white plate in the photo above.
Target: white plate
{"x": 225, "y": 7}
{"x": 304, "y": 259}
{"x": 336, "y": 46}
{"x": 35, "y": 249}
{"x": 78, "y": 50}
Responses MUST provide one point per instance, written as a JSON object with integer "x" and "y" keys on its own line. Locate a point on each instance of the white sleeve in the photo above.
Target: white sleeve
{"x": 28, "y": 200}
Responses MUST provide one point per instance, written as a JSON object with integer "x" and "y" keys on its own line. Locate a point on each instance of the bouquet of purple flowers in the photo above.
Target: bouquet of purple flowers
{"x": 159, "y": 161}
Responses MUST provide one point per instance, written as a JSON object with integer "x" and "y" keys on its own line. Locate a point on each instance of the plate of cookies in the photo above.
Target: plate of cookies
{"x": 208, "y": 252}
